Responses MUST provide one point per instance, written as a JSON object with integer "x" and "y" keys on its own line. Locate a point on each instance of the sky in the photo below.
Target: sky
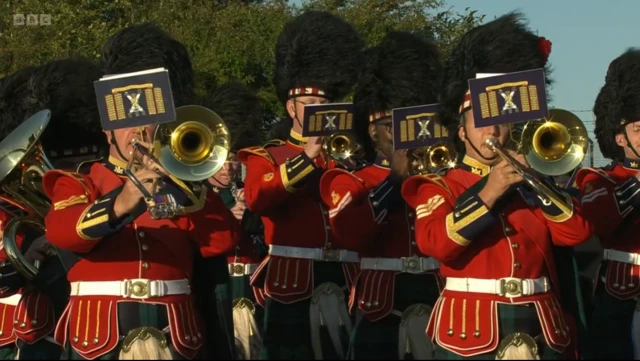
{"x": 586, "y": 35}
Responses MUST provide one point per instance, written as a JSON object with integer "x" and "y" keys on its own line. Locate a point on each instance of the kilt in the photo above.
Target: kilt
{"x": 241, "y": 288}
{"x": 610, "y": 326}
{"x": 379, "y": 340}
{"x": 511, "y": 318}
{"x": 135, "y": 315}
{"x": 287, "y": 327}
{"x": 223, "y": 331}
{"x": 8, "y": 352}
{"x": 40, "y": 350}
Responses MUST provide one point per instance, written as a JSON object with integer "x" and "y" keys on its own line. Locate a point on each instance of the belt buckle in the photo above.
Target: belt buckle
{"x": 331, "y": 255}
{"x": 138, "y": 289}
{"x": 412, "y": 264}
{"x": 237, "y": 269}
{"x": 511, "y": 287}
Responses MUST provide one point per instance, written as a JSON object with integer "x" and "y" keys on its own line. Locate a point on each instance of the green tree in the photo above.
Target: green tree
{"x": 227, "y": 39}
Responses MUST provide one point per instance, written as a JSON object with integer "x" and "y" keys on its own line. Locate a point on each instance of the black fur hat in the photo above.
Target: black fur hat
{"x": 146, "y": 46}
{"x": 240, "y": 108}
{"x": 65, "y": 87}
{"x": 13, "y": 92}
{"x": 503, "y": 45}
{"x": 618, "y": 102}
{"x": 402, "y": 70}
{"x": 318, "y": 54}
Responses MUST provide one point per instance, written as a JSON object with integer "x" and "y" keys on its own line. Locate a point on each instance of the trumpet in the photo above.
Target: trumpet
{"x": 342, "y": 147}
{"x": 191, "y": 149}
{"x": 552, "y": 147}
{"x": 22, "y": 165}
{"x": 431, "y": 159}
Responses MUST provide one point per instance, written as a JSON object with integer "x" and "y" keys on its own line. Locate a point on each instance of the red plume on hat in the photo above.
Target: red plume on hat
{"x": 545, "y": 46}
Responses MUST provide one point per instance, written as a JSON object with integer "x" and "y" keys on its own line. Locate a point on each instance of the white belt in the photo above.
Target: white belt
{"x": 316, "y": 254}
{"x": 508, "y": 287}
{"x": 625, "y": 257}
{"x": 136, "y": 288}
{"x": 12, "y": 300}
{"x": 242, "y": 269}
{"x": 404, "y": 264}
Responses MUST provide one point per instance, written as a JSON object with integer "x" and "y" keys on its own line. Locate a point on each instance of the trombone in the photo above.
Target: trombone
{"x": 343, "y": 148}
{"x": 191, "y": 149}
{"x": 432, "y": 159}
{"x": 552, "y": 147}
{"x": 22, "y": 165}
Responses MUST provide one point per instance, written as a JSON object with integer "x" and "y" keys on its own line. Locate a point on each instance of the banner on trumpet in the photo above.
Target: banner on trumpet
{"x": 135, "y": 99}
{"x": 417, "y": 127}
{"x": 325, "y": 119}
{"x": 508, "y": 98}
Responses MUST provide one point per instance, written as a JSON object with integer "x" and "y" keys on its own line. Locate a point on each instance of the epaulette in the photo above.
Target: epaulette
{"x": 85, "y": 166}
{"x": 438, "y": 180}
{"x": 273, "y": 143}
{"x": 413, "y": 183}
{"x": 582, "y": 173}
{"x": 244, "y": 153}
{"x": 49, "y": 180}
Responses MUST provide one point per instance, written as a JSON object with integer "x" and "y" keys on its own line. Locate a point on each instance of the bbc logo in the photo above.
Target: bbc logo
{"x": 31, "y": 19}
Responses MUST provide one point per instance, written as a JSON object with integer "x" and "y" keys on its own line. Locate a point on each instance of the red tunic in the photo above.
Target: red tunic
{"x": 24, "y": 314}
{"x": 281, "y": 185}
{"x": 609, "y": 197}
{"x": 514, "y": 240}
{"x": 364, "y": 216}
{"x": 135, "y": 248}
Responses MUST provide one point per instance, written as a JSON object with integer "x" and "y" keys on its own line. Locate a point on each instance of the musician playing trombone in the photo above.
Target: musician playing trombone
{"x": 609, "y": 200}
{"x": 398, "y": 284}
{"x": 131, "y": 287}
{"x": 492, "y": 234}
{"x": 306, "y": 276}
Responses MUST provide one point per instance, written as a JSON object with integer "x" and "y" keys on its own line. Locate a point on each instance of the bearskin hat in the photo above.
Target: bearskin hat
{"x": 317, "y": 54}
{"x": 402, "y": 70}
{"x": 240, "y": 108}
{"x": 13, "y": 92}
{"x": 618, "y": 102}
{"x": 65, "y": 87}
{"x": 503, "y": 45}
{"x": 146, "y": 46}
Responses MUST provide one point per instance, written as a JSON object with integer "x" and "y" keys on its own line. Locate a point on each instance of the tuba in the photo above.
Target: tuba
{"x": 552, "y": 147}
{"x": 22, "y": 165}
{"x": 191, "y": 149}
{"x": 431, "y": 159}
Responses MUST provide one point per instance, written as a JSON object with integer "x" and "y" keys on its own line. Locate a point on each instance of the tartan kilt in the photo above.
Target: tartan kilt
{"x": 149, "y": 315}
{"x": 379, "y": 339}
{"x": 511, "y": 319}
{"x": 241, "y": 288}
{"x": 611, "y": 325}
{"x": 287, "y": 327}
{"x": 8, "y": 352}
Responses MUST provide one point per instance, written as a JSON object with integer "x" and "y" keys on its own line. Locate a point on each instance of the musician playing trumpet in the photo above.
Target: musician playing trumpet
{"x": 131, "y": 287}
{"x": 492, "y": 236}
{"x": 398, "y": 284}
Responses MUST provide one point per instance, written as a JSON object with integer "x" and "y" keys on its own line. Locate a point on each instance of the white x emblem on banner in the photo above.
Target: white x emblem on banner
{"x": 135, "y": 109}
{"x": 424, "y": 131}
{"x": 330, "y": 121}
{"x": 509, "y": 105}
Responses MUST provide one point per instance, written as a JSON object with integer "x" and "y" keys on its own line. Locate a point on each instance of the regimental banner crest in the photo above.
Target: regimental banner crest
{"x": 325, "y": 119}
{"x": 416, "y": 127}
{"x": 508, "y": 98}
{"x": 135, "y": 99}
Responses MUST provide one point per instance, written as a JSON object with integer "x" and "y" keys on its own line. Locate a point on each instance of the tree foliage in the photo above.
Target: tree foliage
{"x": 227, "y": 39}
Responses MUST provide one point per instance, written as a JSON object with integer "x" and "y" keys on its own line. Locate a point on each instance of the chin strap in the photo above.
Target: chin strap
{"x": 630, "y": 145}
{"x": 476, "y": 149}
